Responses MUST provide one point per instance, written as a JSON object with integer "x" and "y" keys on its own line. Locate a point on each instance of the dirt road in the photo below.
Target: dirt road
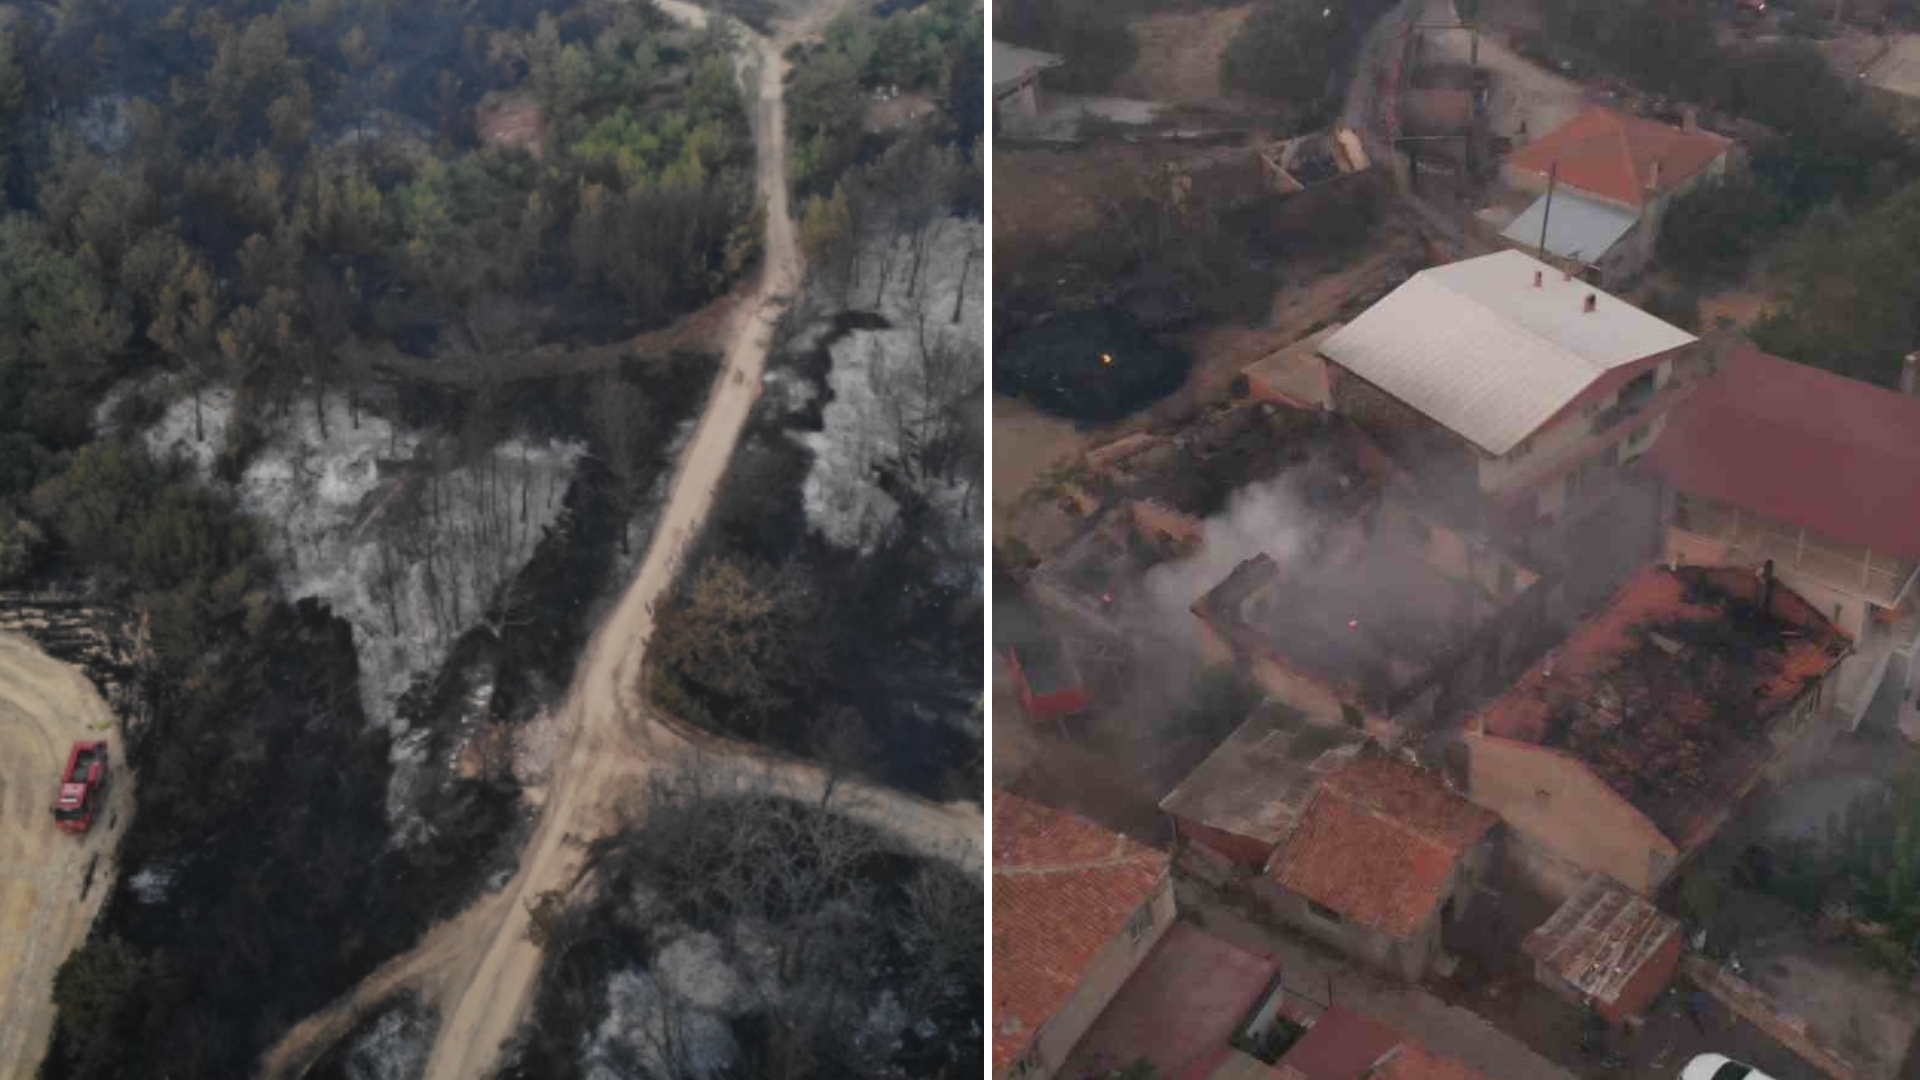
{"x": 479, "y": 967}
{"x": 44, "y": 706}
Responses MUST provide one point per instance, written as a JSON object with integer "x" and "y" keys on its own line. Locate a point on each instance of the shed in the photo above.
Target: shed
{"x": 1608, "y": 944}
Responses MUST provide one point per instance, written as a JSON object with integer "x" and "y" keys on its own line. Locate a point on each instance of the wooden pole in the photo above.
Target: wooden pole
{"x": 1553, "y": 174}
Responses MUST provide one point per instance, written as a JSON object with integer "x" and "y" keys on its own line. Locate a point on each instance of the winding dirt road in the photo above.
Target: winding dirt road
{"x": 479, "y": 968}
{"x": 44, "y": 706}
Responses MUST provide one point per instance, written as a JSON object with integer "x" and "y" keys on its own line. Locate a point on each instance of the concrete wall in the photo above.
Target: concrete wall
{"x": 1317, "y": 700}
{"x": 1552, "y": 799}
{"x": 1854, "y": 613}
{"x": 1214, "y": 855}
{"x": 1098, "y": 985}
{"x": 1543, "y": 869}
{"x": 1571, "y": 438}
{"x": 1754, "y": 1005}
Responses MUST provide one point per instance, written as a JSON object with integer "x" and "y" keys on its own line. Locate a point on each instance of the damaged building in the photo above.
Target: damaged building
{"x": 1386, "y": 622}
{"x": 1625, "y": 750}
{"x": 1232, "y": 813}
{"x": 1773, "y": 460}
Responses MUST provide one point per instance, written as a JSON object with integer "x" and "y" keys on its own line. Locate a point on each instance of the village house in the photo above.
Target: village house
{"x": 1776, "y": 461}
{"x": 1016, "y": 78}
{"x": 1624, "y": 750}
{"x": 1185, "y": 1004}
{"x": 1607, "y": 946}
{"x": 1076, "y": 910}
{"x": 1345, "y": 1044}
{"x": 1514, "y": 395}
{"x": 1234, "y": 811}
{"x": 1382, "y": 859}
{"x": 1613, "y": 177}
{"x": 1385, "y": 621}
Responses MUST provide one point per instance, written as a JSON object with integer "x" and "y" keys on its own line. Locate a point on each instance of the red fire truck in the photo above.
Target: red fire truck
{"x": 82, "y": 787}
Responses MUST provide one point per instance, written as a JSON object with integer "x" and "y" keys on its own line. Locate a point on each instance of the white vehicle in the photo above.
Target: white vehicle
{"x": 1716, "y": 1067}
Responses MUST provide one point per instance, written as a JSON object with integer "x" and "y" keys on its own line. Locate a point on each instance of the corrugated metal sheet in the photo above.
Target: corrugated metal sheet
{"x": 1011, "y": 63}
{"x": 1578, "y": 228}
{"x": 1476, "y": 347}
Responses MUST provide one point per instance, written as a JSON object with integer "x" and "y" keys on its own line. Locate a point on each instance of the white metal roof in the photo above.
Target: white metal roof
{"x": 1577, "y": 227}
{"x": 1011, "y": 63}
{"x": 1476, "y": 347}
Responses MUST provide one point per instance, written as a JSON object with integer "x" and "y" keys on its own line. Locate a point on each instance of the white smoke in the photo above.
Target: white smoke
{"x": 1260, "y": 519}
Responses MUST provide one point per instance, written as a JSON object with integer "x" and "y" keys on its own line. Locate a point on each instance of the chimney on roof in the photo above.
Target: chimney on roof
{"x": 1689, "y": 118}
{"x": 1910, "y": 374}
{"x": 1653, "y": 177}
{"x": 1592, "y": 301}
{"x": 1566, "y": 273}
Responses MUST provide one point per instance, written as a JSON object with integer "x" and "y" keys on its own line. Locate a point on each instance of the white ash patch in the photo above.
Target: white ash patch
{"x": 409, "y": 551}
{"x": 396, "y": 1048}
{"x": 860, "y": 432}
{"x": 178, "y": 433}
{"x": 648, "y": 1028}
{"x": 153, "y": 884}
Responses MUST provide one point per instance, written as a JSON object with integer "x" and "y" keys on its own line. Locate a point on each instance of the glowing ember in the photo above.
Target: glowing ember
{"x": 1106, "y": 358}
{"x": 1353, "y": 624}
{"x": 1106, "y": 598}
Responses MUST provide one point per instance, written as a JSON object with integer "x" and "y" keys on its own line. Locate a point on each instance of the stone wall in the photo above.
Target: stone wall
{"x": 1757, "y": 1008}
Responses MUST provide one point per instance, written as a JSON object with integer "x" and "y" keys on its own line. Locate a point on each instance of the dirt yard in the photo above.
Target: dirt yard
{"x": 51, "y": 883}
{"x": 514, "y": 121}
{"x": 1742, "y": 306}
{"x": 1179, "y": 59}
{"x": 1046, "y": 197}
{"x": 1522, "y": 92}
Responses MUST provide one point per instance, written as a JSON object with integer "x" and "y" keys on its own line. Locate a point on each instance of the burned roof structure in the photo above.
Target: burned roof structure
{"x": 1361, "y": 611}
{"x": 1256, "y": 784}
{"x": 1670, "y": 693}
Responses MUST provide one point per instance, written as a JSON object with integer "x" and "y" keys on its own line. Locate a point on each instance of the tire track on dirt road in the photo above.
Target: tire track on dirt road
{"x": 479, "y": 968}
{"x": 44, "y": 706}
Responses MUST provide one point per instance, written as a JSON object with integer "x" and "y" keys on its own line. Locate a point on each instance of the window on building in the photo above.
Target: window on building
{"x": 1028, "y": 1064}
{"x": 1639, "y": 434}
{"x": 1352, "y": 716}
{"x": 1325, "y": 912}
{"x": 1140, "y": 924}
{"x": 1638, "y": 389}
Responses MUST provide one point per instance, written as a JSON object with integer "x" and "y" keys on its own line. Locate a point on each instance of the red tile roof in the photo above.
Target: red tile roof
{"x": 1062, "y": 888}
{"x": 1604, "y": 153}
{"x": 1341, "y": 1045}
{"x": 1378, "y": 843}
{"x": 1803, "y": 446}
{"x": 1416, "y": 1062}
{"x": 1178, "y": 1009}
{"x": 1348, "y": 1045}
{"x": 1677, "y": 736}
